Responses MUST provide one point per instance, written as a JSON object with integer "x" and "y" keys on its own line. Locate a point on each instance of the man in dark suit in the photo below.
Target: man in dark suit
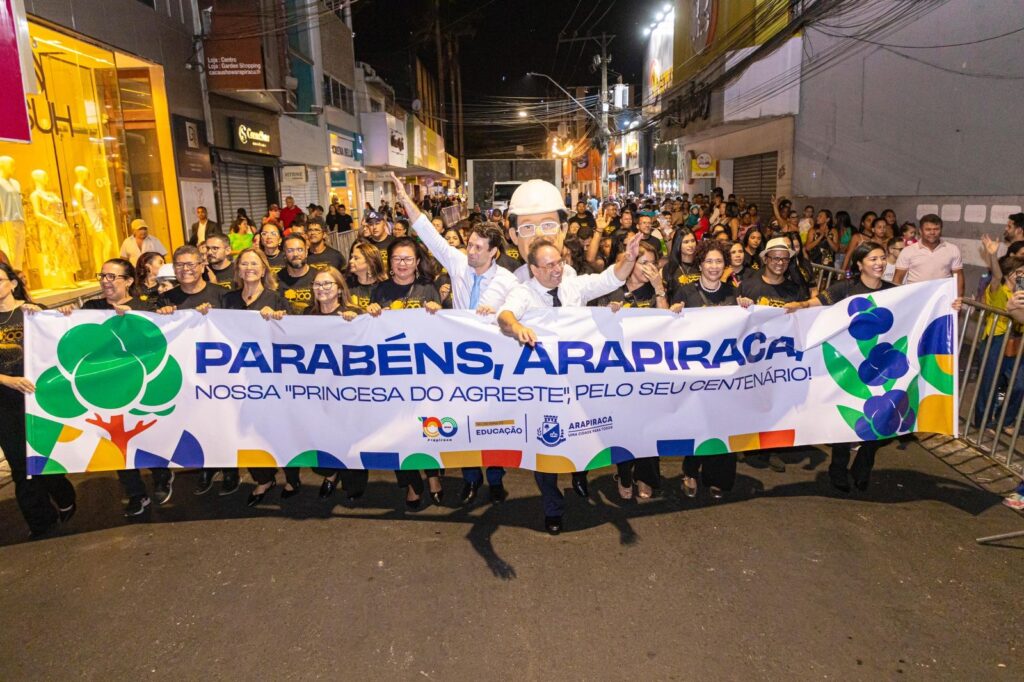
{"x": 202, "y": 228}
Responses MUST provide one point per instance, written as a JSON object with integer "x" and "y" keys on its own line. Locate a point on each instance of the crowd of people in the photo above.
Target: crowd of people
{"x": 672, "y": 252}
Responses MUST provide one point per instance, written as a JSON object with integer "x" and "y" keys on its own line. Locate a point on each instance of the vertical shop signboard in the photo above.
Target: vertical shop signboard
{"x": 14, "y": 125}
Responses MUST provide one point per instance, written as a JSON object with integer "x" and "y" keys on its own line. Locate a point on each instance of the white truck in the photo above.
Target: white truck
{"x": 491, "y": 182}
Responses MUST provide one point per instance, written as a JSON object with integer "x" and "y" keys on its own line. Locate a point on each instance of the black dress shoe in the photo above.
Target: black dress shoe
{"x": 285, "y": 493}
{"x": 580, "y": 486}
{"x": 205, "y": 482}
{"x": 256, "y": 498}
{"x": 437, "y": 497}
{"x": 468, "y": 493}
{"x": 498, "y": 494}
{"x": 861, "y": 485}
{"x": 354, "y": 494}
{"x": 413, "y": 505}
{"x": 327, "y": 488}
{"x": 553, "y": 524}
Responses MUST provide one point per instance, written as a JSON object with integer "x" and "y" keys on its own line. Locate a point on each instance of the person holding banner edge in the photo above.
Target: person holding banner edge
{"x": 478, "y": 283}
{"x": 867, "y": 262}
{"x": 36, "y": 495}
{"x": 549, "y": 288}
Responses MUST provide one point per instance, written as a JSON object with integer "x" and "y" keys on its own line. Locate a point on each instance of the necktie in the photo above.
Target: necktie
{"x": 555, "y": 302}
{"x": 474, "y": 294}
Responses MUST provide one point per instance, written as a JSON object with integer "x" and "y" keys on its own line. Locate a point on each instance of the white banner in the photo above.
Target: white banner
{"x": 413, "y": 390}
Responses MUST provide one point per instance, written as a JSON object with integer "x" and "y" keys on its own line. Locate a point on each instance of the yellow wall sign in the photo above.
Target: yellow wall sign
{"x": 703, "y": 166}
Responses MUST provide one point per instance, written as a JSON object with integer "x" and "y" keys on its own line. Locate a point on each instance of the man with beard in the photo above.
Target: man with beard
{"x": 321, "y": 256}
{"x": 220, "y": 269}
{"x": 296, "y": 280}
{"x": 478, "y": 283}
{"x": 582, "y": 218}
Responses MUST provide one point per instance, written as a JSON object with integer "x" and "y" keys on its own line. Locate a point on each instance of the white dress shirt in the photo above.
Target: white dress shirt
{"x": 494, "y": 286}
{"x": 572, "y": 292}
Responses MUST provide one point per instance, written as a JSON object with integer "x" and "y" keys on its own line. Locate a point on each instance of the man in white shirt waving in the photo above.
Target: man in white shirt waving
{"x": 550, "y": 288}
{"x": 478, "y": 283}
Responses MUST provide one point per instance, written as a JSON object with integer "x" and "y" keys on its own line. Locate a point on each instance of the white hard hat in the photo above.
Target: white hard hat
{"x": 535, "y": 196}
{"x": 166, "y": 273}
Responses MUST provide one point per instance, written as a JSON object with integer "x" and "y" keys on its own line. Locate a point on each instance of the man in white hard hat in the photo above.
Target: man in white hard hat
{"x": 537, "y": 209}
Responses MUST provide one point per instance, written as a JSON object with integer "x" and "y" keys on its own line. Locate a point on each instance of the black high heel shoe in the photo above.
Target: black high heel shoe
{"x": 285, "y": 493}
{"x": 437, "y": 497}
{"x": 327, "y": 488}
{"x": 256, "y": 498}
{"x": 413, "y": 505}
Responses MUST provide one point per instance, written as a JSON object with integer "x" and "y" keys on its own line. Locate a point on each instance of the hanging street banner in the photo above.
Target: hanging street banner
{"x": 411, "y": 390}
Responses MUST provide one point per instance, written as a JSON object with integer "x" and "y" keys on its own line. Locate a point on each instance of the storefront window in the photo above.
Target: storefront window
{"x": 67, "y": 197}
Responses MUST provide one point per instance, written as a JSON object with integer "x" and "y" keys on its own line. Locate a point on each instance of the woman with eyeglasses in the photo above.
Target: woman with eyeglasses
{"x": 411, "y": 286}
{"x": 255, "y": 289}
{"x": 47, "y": 500}
{"x": 332, "y": 297}
{"x": 117, "y": 280}
{"x": 270, "y": 244}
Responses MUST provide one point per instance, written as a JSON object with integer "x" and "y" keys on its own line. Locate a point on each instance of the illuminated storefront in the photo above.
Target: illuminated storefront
{"x": 100, "y": 156}
{"x": 346, "y": 166}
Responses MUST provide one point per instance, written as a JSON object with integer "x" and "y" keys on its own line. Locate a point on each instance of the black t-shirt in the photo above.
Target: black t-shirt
{"x": 693, "y": 295}
{"x": 268, "y": 298}
{"x": 225, "y": 277}
{"x": 847, "y": 288}
{"x": 342, "y": 308}
{"x": 12, "y": 355}
{"x": 148, "y": 296}
{"x": 297, "y": 290}
{"x": 678, "y": 275}
{"x": 344, "y": 223}
{"x": 101, "y": 304}
{"x": 361, "y": 295}
{"x": 398, "y": 296}
{"x": 509, "y": 263}
{"x": 586, "y": 220}
{"x": 329, "y": 257}
{"x": 277, "y": 262}
{"x": 774, "y": 295}
{"x": 637, "y": 298}
{"x": 512, "y": 256}
{"x": 382, "y": 246}
{"x": 211, "y": 293}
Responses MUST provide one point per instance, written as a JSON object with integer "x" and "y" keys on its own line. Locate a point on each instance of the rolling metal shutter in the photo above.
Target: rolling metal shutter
{"x": 307, "y": 193}
{"x": 754, "y": 178}
{"x": 242, "y": 187}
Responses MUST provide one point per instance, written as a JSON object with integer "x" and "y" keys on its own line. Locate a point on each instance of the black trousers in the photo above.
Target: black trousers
{"x": 263, "y": 475}
{"x": 36, "y": 496}
{"x": 131, "y": 480}
{"x": 353, "y": 481}
{"x": 646, "y": 470}
{"x": 714, "y": 470}
{"x": 863, "y": 463}
{"x": 413, "y": 478}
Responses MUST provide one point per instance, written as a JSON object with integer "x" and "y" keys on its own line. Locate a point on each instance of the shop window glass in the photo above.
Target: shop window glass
{"x": 67, "y": 197}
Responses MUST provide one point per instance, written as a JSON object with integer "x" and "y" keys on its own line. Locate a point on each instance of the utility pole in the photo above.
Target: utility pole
{"x": 603, "y": 139}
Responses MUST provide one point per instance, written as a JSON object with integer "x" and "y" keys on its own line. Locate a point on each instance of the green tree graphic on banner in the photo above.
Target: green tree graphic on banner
{"x": 114, "y": 369}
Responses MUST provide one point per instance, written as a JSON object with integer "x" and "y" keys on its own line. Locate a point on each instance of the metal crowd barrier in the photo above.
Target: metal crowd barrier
{"x": 826, "y": 275}
{"x": 998, "y": 443}
{"x": 342, "y": 241}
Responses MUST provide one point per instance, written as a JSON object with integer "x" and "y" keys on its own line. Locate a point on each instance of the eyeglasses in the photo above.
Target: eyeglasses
{"x": 548, "y": 227}
{"x": 777, "y": 259}
{"x": 188, "y": 267}
{"x": 324, "y": 285}
{"x": 404, "y": 260}
{"x": 109, "y": 276}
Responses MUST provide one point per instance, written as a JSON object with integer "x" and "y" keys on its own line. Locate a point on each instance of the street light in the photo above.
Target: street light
{"x": 555, "y": 83}
{"x": 522, "y": 114}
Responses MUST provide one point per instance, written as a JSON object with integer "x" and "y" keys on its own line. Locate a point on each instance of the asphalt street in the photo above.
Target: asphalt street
{"x": 783, "y": 580}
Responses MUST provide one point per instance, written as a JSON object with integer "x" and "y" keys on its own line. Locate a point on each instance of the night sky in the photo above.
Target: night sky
{"x": 510, "y": 38}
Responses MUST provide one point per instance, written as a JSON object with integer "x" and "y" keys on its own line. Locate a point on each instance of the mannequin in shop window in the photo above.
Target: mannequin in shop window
{"x": 12, "y": 215}
{"x": 93, "y": 217}
{"x": 60, "y": 256}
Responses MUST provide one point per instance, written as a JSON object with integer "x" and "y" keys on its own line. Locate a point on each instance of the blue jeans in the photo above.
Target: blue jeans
{"x": 473, "y": 476}
{"x": 993, "y": 360}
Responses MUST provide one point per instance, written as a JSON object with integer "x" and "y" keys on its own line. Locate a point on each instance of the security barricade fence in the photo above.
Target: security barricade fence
{"x": 991, "y": 383}
{"x": 342, "y": 241}
{"x": 826, "y": 275}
